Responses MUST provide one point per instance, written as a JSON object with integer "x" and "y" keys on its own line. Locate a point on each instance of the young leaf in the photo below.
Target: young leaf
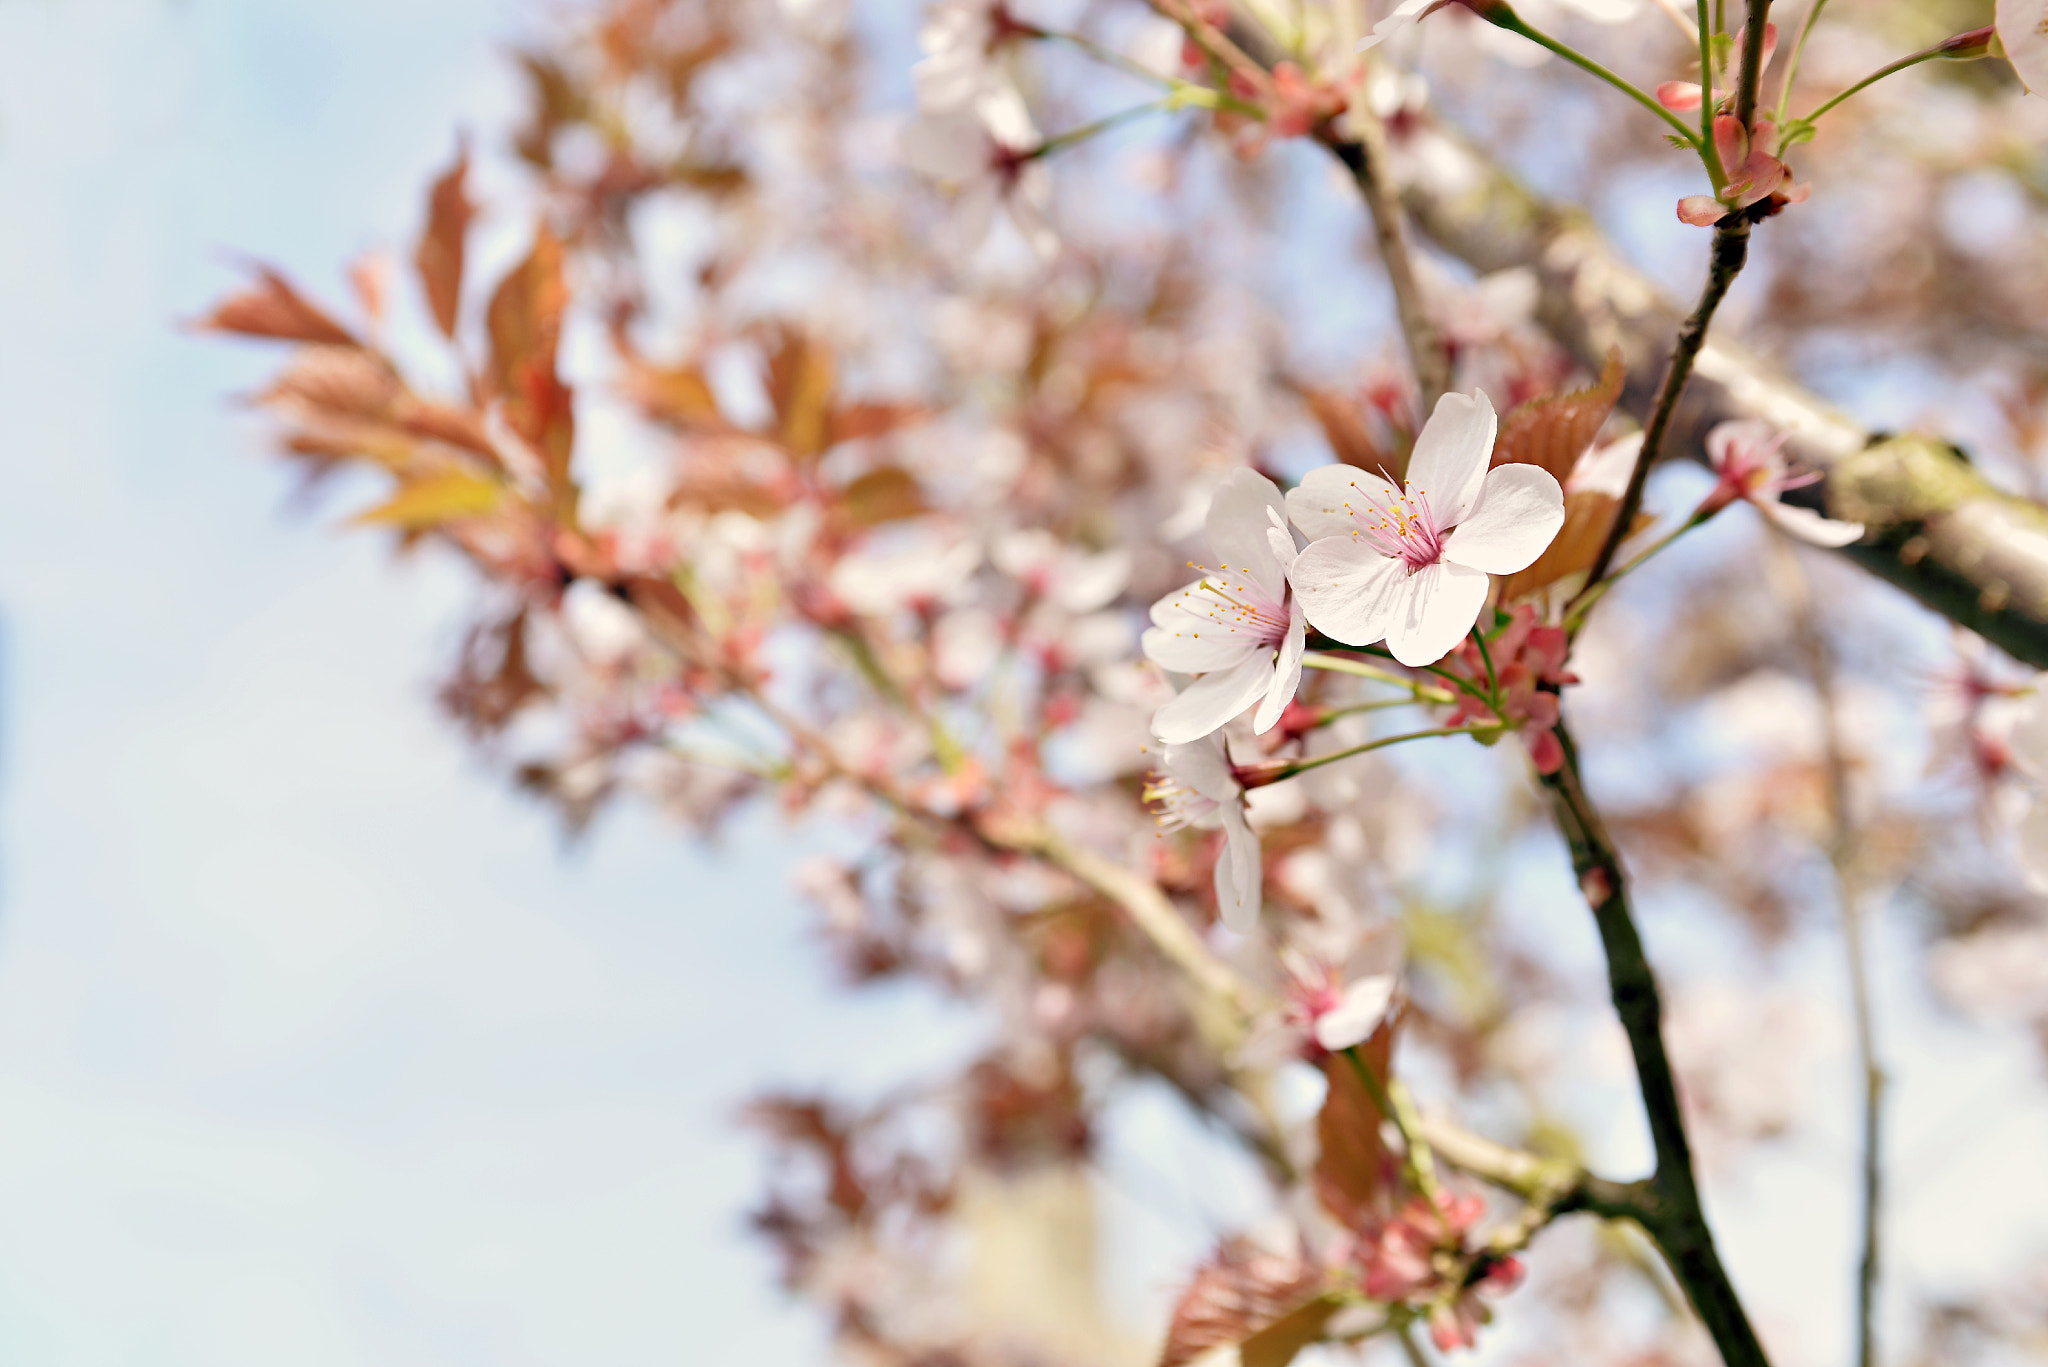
{"x": 1553, "y": 431}
{"x": 1355, "y": 1170}
{"x": 439, "y": 253}
{"x": 423, "y": 504}
{"x": 273, "y": 308}
{"x": 1268, "y": 1305}
{"x": 525, "y": 320}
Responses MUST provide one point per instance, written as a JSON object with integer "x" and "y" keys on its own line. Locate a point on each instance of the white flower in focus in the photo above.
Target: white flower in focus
{"x": 1410, "y": 565}
{"x": 2030, "y": 756}
{"x": 984, "y": 153}
{"x": 1749, "y": 456}
{"x": 2023, "y": 30}
{"x": 1194, "y": 786}
{"x": 1238, "y": 626}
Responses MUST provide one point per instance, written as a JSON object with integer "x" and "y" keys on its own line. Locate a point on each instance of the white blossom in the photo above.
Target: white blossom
{"x": 2023, "y": 30}
{"x": 1749, "y": 456}
{"x": 1194, "y": 786}
{"x": 1410, "y": 565}
{"x": 983, "y": 152}
{"x": 1239, "y": 626}
{"x": 2030, "y": 756}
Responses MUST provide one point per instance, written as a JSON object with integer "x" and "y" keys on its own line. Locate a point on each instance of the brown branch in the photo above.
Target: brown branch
{"x": 1675, "y": 1220}
{"x": 1367, "y": 159}
{"x": 1555, "y": 1186}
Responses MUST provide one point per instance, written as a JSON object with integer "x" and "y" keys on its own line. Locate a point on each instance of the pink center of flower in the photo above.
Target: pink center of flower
{"x": 1403, "y": 529}
{"x": 1236, "y": 604}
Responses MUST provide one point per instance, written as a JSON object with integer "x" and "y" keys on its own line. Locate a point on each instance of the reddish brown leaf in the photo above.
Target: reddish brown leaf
{"x": 887, "y": 494}
{"x": 800, "y": 388}
{"x": 493, "y": 682}
{"x": 1555, "y": 430}
{"x": 1355, "y": 1169}
{"x": 272, "y": 308}
{"x": 335, "y": 383}
{"x": 677, "y": 395}
{"x": 1587, "y": 518}
{"x": 439, "y": 253}
{"x": 1269, "y": 1305}
{"x": 1349, "y": 437}
{"x": 458, "y": 427}
{"x": 525, "y": 319}
{"x": 859, "y": 421}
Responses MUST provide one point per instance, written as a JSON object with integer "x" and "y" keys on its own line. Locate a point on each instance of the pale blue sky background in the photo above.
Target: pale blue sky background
{"x": 314, "y": 1046}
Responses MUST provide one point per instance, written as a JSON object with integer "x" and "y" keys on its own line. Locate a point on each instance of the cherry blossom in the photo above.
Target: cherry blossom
{"x": 958, "y": 39}
{"x": 1239, "y": 626}
{"x": 1749, "y": 457}
{"x": 2023, "y": 29}
{"x": 1195, "y": 786}
{"x": 1525, "y": 658}
{"x": 986, "y": 153}
{"x": 2030, "y": 756}
{"x": 1405, "y": 15}
{"x": 1410, "y": 565}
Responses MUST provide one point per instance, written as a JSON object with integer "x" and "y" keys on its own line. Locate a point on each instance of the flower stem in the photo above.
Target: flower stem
{"x": 1581, "y": 605}
{"x": 1338, "y": 664}
{"x": 1792, "y": 62}
{"x": 1302, "y": 766}
{"x": 1872, "y": 79}
{"x": 1486, "y": 658}
{"x": 1710, "y": 152}
{"x": 1503, "y": 17}
{"x": 1392, "y": 1100}
{"x": 1177, "y": 100}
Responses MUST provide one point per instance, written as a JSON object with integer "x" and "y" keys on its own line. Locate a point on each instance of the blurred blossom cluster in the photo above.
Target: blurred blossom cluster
{"x": 991, "y": 440}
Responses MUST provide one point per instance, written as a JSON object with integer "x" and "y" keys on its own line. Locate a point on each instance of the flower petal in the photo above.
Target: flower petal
{"x": 1188, "y": 637}
{"x": 1359, "y": 1013}
{"x": 1321, "y": 505}
{"x": 1451, "y": 455}
{"x": 1347, "y": 589}
{"x": 2030, "y": 737}
{"x": 1702, "y": 211}
{"x": 2034, "y": 846}
{"x": 1212, "y": 700}
{"x": 1286, "y": 673}
{"x": 1519, "y": 511}
{"x": 1808, "y": 525}
{"x": 1238, "y": 524}
{"x": 1438, "y": 606}
{"x": 1204, "y": 765}
{"x": 1238, "y": 872}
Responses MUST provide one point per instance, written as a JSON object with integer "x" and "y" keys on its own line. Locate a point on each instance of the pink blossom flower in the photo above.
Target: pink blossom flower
{"x": 1195, "y": 786}
{"x": 1525, "y": 658}
{"x": 1239, "y": 626}
{"x": 2023, "y": 30}
{"x": 958, "y": 39}
{"x": 1410, "y": 565}
{"x": 1332, "y": 1002}
{"x": 1405, "y": 15}
{"x": 2029, "y": 743}
{"x": 986, "y": 153}
{"x": 1749, "y": 457}
{"x": 1753, "y": 174}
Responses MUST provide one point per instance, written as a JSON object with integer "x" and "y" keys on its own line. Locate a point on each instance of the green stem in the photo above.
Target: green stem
{"x": 1585, "y": 601}
{"x": 1792, "y": 62}
{"x": 1102, "y": 125}
{"x": 1304, "y": 765}
{"x": 1709, "y": 151}
{"x": 1111, "y": 57}
{"x": 1415, "y": 1154}
{"x": 1486, "y": 658}
{"x": 1506, "y": 18}
{"x": 1338, "y": 664}
{"x": 1872, "y": 79}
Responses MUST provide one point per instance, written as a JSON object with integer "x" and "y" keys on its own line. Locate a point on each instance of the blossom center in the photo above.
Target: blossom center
{"x": 1403, "y": 528}
{"x": 1178, "y": 804}
{"x": 1237, "y": 604}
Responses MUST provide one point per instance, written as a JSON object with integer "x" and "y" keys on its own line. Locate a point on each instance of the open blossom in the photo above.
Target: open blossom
{"x": 1749, "y": 456}
{"x": 959, "y": 37}
{"x": 1195, "y": 786}
{"x": 1239, "y": 626}
{"x": 1753, "y": 174}
{"x": 2023, "y": 30}
{"x": 986, "y": 152}
{"x": 1410, "y": 565}
{"x": 2030, "y": 756}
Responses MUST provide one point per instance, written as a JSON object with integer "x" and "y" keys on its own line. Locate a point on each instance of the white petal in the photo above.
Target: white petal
{"x": 1808, "y": 525}
{"x": 1438, "y": 606}
{"x": 2020, "y": 25}
{"x": 1212, "y": 700}
{"x": 2034, "y": 846}
{"x": 1188, "y": 638}
{"x": 1204, "y": 765}
{"x": 1238, "y": 872}
{"x": 1321, "y": 504}
{"x": 1358, "y": 1014}
{"x": 1348, "y": 590}
{"x": 1404, "y": 15}
{"x": 1606, "y": 469}
{"x": 2030, "y": 733}
{"x": 947, "y": 147}
{"x": 1238, "y": 525}
{"x": 1449, "y": 462}
{"x": 1519, "y": 511}
{"x": 1286, "y": 673}
{"x": 1746, "y": 436}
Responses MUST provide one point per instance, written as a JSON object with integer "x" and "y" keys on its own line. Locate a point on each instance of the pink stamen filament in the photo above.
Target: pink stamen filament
{"x": 1405, "y": 529}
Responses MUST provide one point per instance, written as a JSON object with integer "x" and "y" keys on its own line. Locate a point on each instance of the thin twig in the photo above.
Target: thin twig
{"x": 1677, "y": 1222}
{"x": 1365, "y": 154}
{"x": 1841, "y": 852}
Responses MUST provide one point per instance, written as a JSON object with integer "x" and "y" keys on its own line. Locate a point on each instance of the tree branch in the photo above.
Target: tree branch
{"x": 1676, "y": 1222}
{"x": 1367, "y": 159}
